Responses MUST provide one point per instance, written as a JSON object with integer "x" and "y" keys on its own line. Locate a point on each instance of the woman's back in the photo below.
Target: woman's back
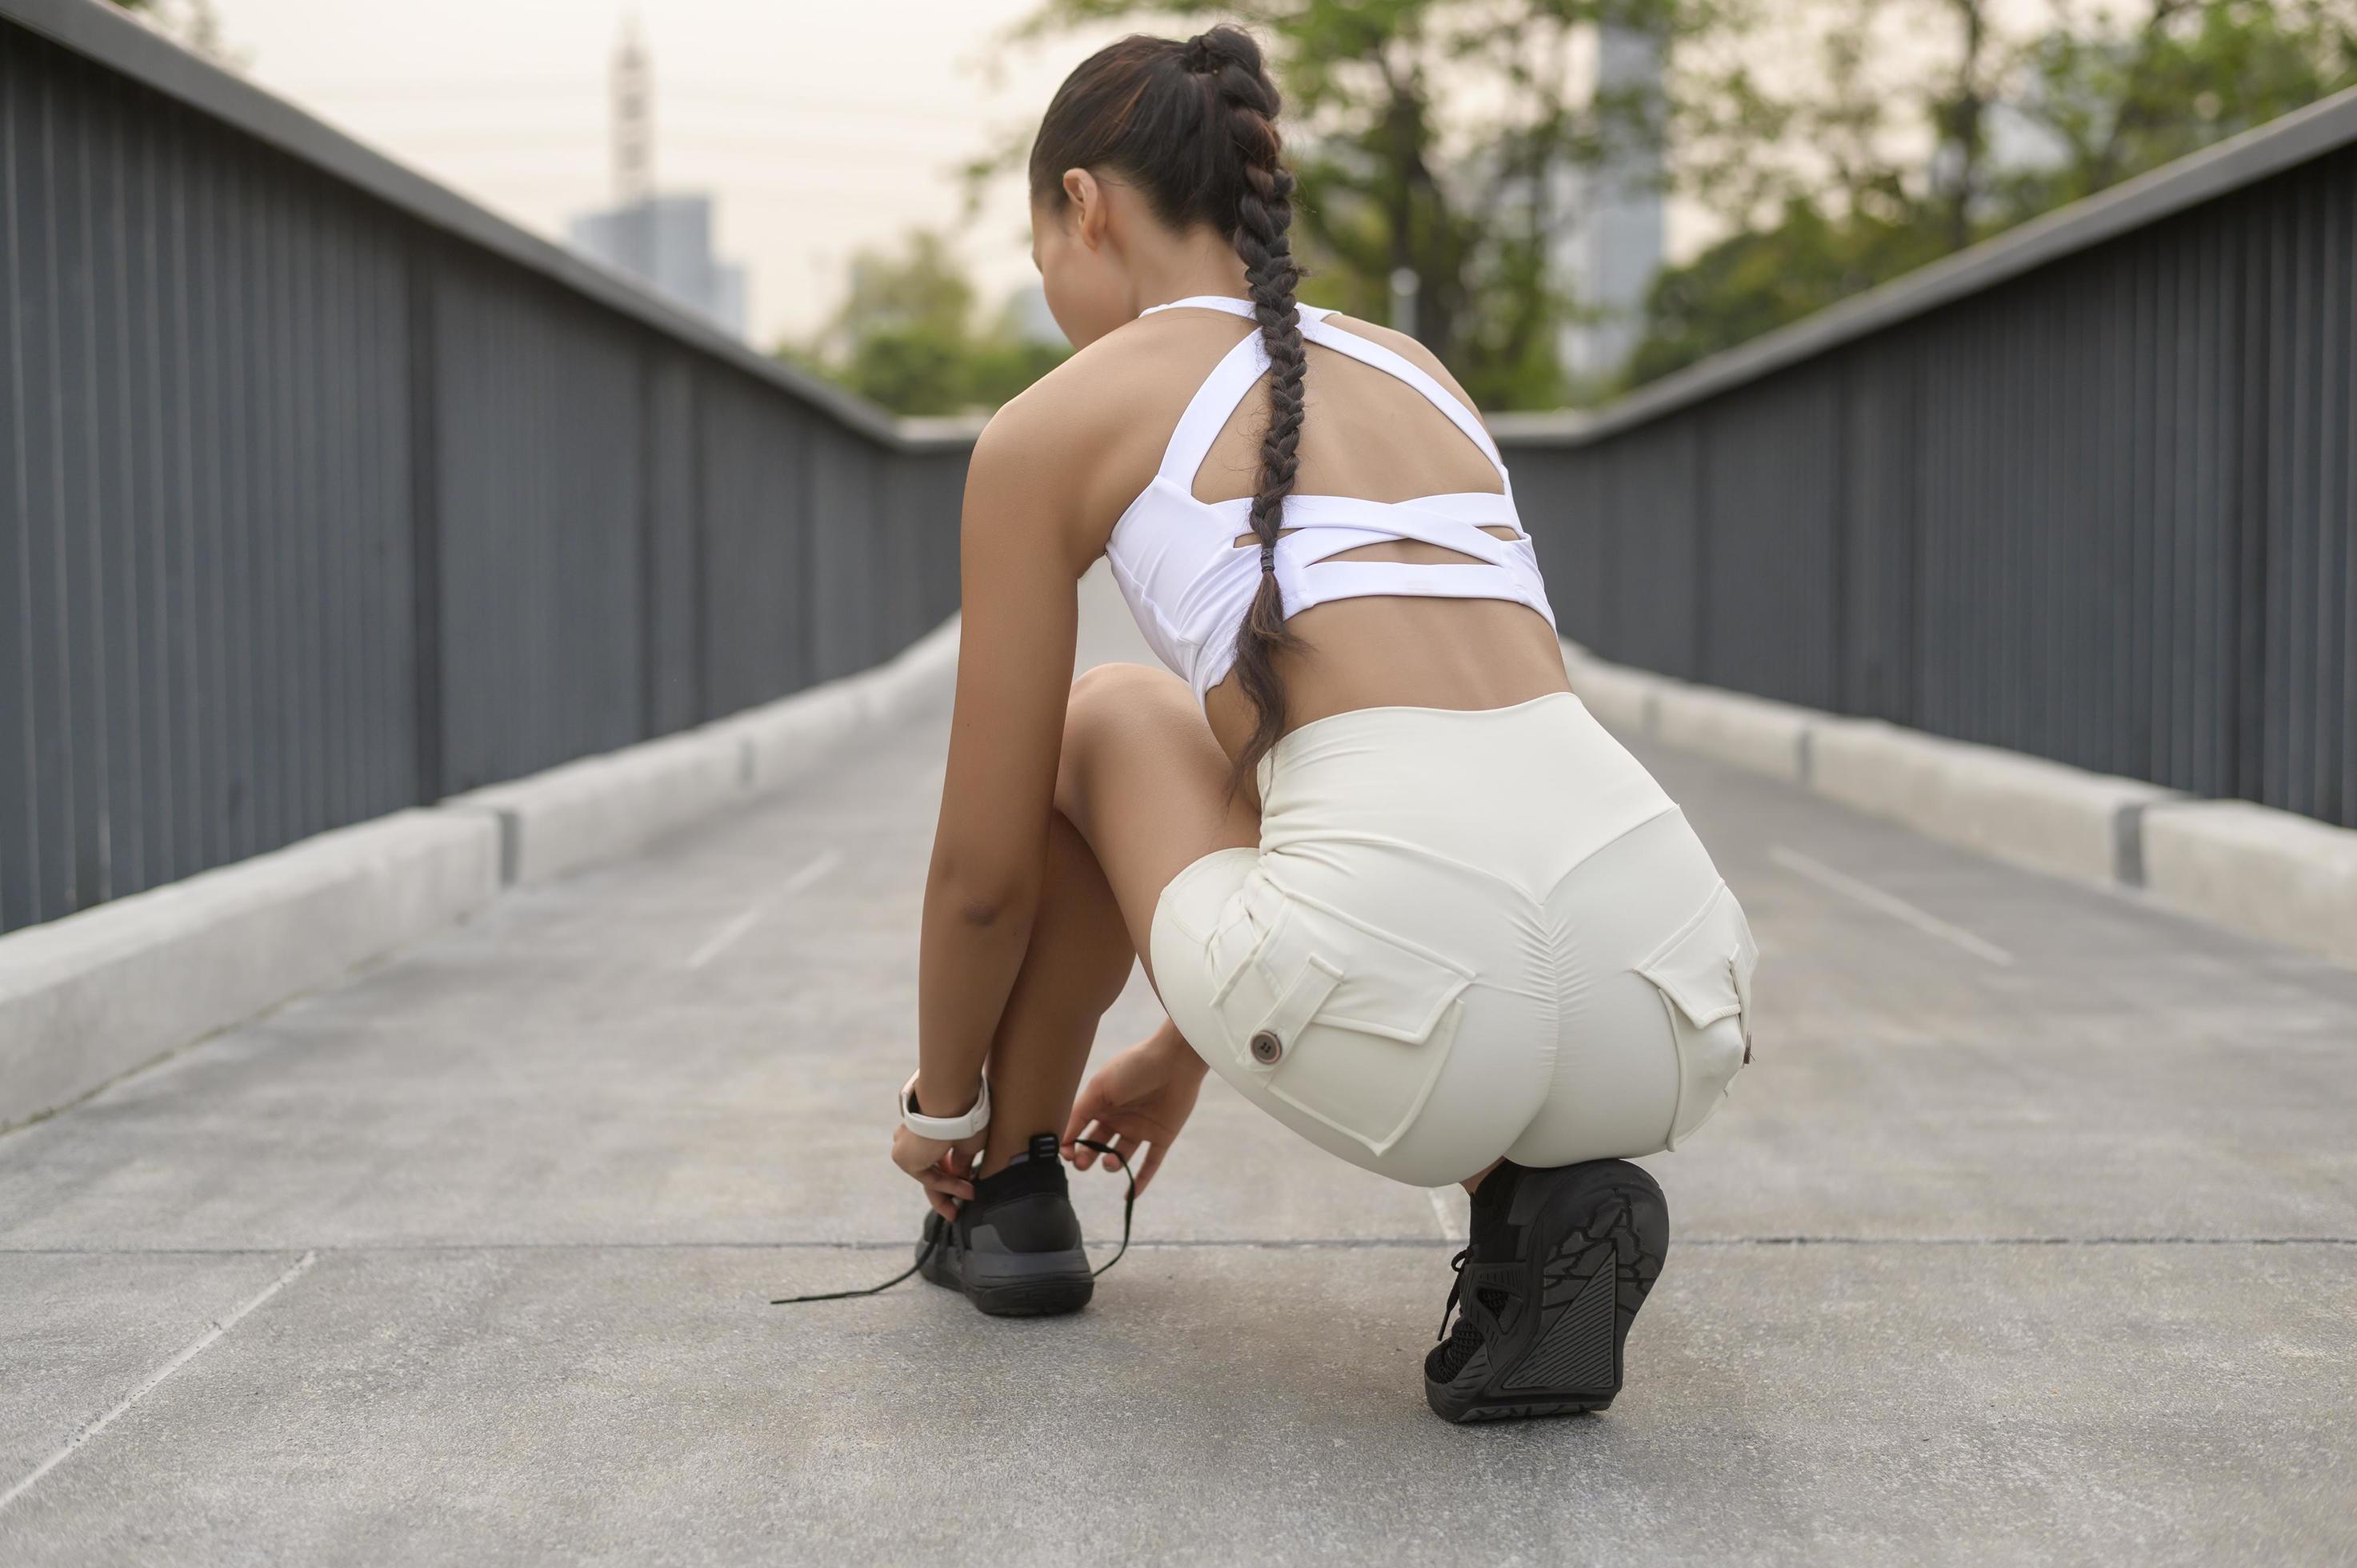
{"x": 1372, "y": 444}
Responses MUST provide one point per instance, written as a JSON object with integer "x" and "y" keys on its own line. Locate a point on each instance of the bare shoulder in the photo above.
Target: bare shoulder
{"x": 1408, "y": 349}
{"x": 1085, "y": 438}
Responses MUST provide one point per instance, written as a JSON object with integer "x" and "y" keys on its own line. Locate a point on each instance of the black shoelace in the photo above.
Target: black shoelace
{"x": 1455, "y": 1292}
{"x": 1471, "y": 1300}
{"x": 1128, "y": 1203}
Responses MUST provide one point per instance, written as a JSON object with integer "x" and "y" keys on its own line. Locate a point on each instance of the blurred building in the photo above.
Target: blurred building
{"x": 664, "y": 241}
{"x": 1610, "y": 242}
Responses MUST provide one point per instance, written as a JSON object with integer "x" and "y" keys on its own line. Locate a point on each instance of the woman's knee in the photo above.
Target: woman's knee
{"x": 1109, "y": 702}
{"x": 1105, "y": 694}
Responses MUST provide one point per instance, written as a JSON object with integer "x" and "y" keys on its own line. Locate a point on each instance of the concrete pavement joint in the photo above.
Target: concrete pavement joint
{"x": 1440, "y": 1212}
{"x": 726, "y": 936}
{"x": 155, "y": 1378}
{"x": 1888, "y": 903}
{"x": 1203, "y": 1243}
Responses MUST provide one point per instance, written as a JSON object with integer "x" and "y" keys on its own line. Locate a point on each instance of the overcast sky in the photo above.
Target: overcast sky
{"x": 821, "y": 128}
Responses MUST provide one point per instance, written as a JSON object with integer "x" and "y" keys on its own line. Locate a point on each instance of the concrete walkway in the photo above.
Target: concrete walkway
{"x": 2032, "y": 1236}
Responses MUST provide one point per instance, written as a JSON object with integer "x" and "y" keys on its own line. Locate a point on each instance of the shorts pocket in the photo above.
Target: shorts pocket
{"x": 1703, "y": 974}
{"x": 1346, "y": 1023}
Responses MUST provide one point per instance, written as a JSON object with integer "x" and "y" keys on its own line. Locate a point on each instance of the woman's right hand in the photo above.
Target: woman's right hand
{"x": 1140, "y": 1099}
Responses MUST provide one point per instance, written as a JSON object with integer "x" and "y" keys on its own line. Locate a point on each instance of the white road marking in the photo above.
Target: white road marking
{"x": 721, "y": 940}
{"x": 1888, "y": 903}
{"x": 1449, "y": 1231}
{"x": 301, "y": 1267}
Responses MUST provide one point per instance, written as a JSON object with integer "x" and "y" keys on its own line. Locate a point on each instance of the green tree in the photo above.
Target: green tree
{"x": 907, "y": 336}
{"x": 1437, "y": 136}
{"x": 1862, "y": 169}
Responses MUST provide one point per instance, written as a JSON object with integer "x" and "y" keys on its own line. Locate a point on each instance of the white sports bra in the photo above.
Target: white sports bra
{"x": 1189, "y": 584}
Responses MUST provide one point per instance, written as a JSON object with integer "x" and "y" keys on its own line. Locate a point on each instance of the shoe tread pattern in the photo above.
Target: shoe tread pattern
{"x": 1591, "y": 1286}
{"x": 1579, "y": 1350}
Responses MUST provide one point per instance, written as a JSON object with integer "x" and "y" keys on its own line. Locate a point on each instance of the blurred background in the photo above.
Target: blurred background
{"x": 1565, "y": 198}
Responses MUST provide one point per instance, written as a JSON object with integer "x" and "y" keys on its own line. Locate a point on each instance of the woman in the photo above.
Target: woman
{"x": 1388, "y": 877}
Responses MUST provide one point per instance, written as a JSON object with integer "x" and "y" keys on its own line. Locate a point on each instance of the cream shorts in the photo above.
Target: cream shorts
{"x": 1465, "y": 935}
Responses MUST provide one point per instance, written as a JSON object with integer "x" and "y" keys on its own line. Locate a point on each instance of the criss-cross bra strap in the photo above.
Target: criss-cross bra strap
{"x": 1325, "y": 580}
{"x": 1311, "y": 535}
{"x": 1214, "y": 403}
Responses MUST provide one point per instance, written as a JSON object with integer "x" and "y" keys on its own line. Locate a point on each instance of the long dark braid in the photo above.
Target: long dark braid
{"x": 1247, "y": 102}
{"x": 1194, "y": 126}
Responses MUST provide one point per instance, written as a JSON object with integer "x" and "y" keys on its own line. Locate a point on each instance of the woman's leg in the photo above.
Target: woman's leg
{"x": 1141, "y": 793}
{"x": 1076, "y": 962}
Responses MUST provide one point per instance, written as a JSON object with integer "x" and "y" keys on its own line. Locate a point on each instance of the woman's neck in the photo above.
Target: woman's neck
{"x": 1207, "y": 265}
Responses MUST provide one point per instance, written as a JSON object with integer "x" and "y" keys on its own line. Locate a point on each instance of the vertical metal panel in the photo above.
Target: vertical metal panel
{"x": 49, "y": 784}
{"x": 1651, "y": 548}
{"x": 1875, "y": 608}
{"x": 2343, "y": 714}
{"x": 755, "y": 511}
{"x": 925, "y": 491}
{"x": 18, "y": 869}
{"x": 538, "y": 410}
{"x": 840, "y": 473}
{"x": 73, "y": 341}
{"x": 1772, "y": 489}
{"x": 673, "y": 700}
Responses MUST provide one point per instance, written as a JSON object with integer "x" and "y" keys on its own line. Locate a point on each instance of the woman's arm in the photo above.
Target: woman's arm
{"x": 1020, "y": 572}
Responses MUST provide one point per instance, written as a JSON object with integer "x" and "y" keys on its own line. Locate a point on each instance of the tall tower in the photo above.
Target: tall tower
{"x": 663, "y": 240}
{"x": 1612, "y": 236}
{"x": 633, "y": 130}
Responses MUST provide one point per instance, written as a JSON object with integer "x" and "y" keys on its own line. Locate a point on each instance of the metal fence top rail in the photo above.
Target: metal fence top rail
{"x": 105, "y": 35}
{"x": 108, "y": 37}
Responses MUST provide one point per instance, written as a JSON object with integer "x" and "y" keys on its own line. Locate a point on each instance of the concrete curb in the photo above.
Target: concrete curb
{"x": 89, "y": 997}
{"x": 602, "y": 807}
{"x": 1750, "y": 732}
{"x": 2027, "y": 809}
{"x": 787, "y": 739}
{"x": 608, "y": 807}
{"x": 2270, "y": 874}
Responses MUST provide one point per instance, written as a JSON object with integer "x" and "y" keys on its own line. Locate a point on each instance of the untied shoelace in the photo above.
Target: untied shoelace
{"x": 1128, "y": 1204}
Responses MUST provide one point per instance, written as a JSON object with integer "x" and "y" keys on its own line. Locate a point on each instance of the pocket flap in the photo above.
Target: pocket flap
{"x": 1399, "y": 1001}
{"x": 1706, "y": 967}
{"x": 1355, "y": 976}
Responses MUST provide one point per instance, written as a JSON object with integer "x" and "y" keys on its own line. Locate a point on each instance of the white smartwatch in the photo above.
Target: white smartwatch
{"x": 948, "y": 1129}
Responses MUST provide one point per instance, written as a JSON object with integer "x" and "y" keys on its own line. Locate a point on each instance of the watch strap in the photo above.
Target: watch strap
{"x": 948, "y": 1129}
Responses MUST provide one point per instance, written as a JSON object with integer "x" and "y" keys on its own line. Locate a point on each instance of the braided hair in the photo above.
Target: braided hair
{"x": 1193, "y": 126}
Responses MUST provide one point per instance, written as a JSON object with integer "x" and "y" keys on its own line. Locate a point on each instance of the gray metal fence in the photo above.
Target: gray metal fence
{"x": 323, "y": 493}
{"x": 2087, "y": 492}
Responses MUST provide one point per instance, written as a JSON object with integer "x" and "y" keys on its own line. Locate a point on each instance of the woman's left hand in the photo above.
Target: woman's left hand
{"x": 945, "y": 1168}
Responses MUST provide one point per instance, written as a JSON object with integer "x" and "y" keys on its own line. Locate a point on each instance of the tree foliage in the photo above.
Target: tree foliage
{"x": 909, "y": 337}
{"x": 1909, "y": 129}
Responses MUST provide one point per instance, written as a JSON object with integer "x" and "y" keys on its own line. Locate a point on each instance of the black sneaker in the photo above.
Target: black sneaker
{"x": 1560, "y": 1262}
{"x": 1015, "y": 1247}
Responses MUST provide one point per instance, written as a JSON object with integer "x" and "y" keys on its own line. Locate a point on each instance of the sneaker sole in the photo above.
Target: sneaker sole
{"x": 1027, "y": 1284}
{"x": 1610, "y": 1229}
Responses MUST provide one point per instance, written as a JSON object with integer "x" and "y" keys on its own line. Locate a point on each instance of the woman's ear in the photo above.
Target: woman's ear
{"x": 1088, "y": 206}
